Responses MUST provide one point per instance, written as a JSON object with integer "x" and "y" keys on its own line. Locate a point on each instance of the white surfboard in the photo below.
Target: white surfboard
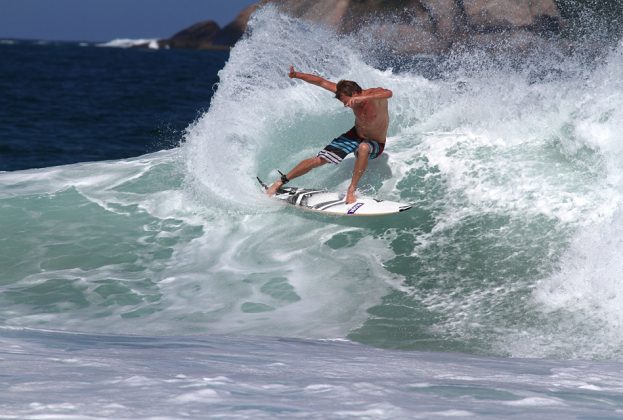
{"x": 324, "y": 201}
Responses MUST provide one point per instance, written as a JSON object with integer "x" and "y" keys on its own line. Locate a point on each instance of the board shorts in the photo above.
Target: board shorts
{"x": 347, "y": 143}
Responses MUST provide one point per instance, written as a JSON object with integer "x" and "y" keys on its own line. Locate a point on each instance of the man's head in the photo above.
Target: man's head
{"x": 345, "y": 89}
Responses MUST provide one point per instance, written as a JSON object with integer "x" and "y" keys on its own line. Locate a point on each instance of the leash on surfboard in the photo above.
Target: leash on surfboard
{"x": 284, "y": 178}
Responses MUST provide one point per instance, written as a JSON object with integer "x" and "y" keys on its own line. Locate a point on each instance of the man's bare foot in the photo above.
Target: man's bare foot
{"x": 350, "y": 196}
{"x": 272, "y": 190}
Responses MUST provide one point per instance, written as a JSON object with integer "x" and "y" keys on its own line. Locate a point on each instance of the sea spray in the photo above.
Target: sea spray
{"x": 583, "y": 295}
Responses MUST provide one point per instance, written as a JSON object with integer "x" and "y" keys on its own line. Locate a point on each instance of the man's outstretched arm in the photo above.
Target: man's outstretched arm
{"x": 313, "y": 79}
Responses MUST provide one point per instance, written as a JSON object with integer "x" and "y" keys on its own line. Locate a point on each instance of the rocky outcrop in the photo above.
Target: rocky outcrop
{"x": 231, "y": 33}
{"x": 406, "y": 26}
{"x": 487, "y": 16}
{"x": 208, "y": 35}
{"x": 433, "y": 26}
{"x": 199, "y": 36}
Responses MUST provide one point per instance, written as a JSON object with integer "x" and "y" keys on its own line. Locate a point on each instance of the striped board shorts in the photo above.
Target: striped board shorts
{"x": 347, "y": 143}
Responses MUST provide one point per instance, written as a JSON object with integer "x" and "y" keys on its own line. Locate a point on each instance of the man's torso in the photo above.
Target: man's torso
{"x": 372, "y": 119}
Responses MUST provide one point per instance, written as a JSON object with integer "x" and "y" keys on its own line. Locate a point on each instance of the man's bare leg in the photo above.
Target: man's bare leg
{"x": 363, "y": 155}
{"x": 302, "y": 168}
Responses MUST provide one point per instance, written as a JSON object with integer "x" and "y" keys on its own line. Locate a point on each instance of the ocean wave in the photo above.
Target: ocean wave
{"x": 130, "y": 43}
{"x": 508, "y": 164}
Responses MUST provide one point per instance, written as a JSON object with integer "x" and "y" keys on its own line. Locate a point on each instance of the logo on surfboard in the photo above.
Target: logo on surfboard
{"x": 354, "y": 208}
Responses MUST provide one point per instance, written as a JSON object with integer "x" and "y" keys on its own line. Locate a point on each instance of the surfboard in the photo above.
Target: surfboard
{"x": 328, "y": 202}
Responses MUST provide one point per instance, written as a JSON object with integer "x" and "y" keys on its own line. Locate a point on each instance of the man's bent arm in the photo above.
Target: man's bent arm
{"x": 376, "y": 93}
{"x": 370, "y": 94}
{"x": 313, "y": 79}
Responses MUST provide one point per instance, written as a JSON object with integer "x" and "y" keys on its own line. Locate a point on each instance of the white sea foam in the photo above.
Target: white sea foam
{"x": 129, "y": 43}
{"x": 254, "y": 377}
{"x": 584, "y": 292}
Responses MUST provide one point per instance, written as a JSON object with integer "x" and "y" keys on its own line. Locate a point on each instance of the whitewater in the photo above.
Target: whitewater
{"x": 169, "y": 286}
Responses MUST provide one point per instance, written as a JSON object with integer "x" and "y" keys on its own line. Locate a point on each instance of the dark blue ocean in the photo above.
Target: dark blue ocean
{"x": 143, "y": 274}
{"x": 64, "y": 103}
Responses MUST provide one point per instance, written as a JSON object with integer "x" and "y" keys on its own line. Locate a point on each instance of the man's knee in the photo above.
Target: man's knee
{"x": 317, "y": 161}
{"x": 363, "y": 149}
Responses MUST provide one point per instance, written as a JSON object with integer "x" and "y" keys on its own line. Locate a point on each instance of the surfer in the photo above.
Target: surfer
{"x": 366, "y": 139}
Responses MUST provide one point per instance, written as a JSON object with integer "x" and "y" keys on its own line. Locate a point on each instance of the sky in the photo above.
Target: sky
{"x": 105, "y": 20}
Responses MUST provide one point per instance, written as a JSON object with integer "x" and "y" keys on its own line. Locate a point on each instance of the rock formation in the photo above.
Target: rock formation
{"x": 407, "y": 26}
{"x": 207, "y": 35}
{"x": 199, "y": 36}
{"x": 231, "y": 33}
{"x": 433, "y": 26}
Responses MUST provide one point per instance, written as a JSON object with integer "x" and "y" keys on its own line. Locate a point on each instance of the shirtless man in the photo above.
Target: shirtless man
{"x": 366, "y": 139}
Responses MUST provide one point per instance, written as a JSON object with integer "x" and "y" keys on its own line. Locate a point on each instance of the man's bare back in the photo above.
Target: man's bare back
{"x": 370, "y": 132}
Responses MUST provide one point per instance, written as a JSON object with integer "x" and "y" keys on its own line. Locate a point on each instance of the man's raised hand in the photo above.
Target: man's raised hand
{"x": 292, "y": 73}
{"x": 354, "y": 100}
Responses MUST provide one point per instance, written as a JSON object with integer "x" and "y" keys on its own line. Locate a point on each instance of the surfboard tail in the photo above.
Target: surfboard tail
{"x": 262, "y": 183}
{"x": 280, "y": 190}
